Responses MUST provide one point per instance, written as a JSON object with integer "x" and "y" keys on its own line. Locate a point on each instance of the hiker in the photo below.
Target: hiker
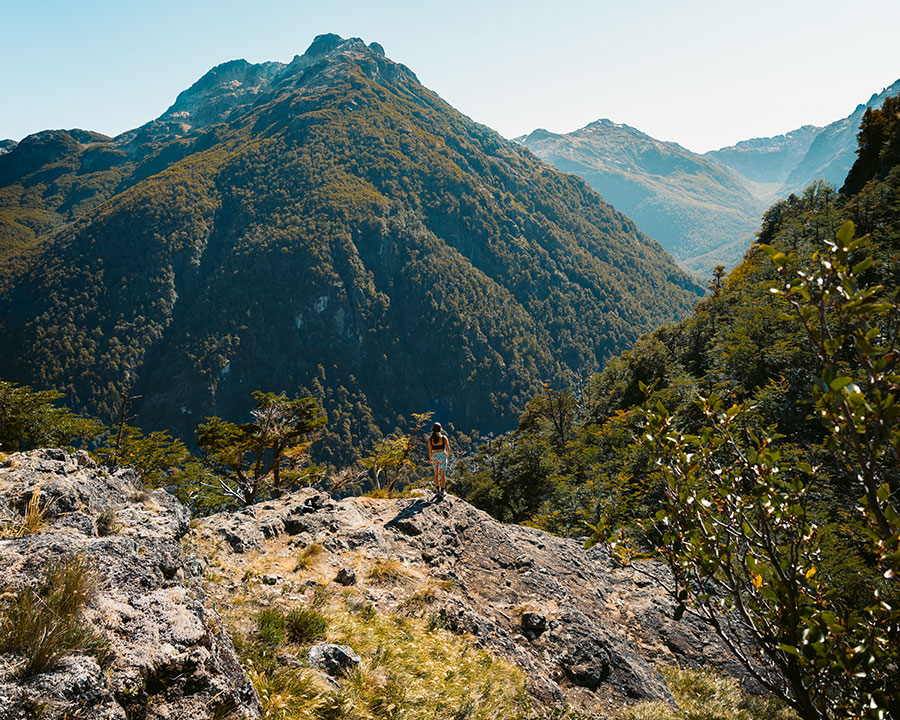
{"x": 439, "y": 455}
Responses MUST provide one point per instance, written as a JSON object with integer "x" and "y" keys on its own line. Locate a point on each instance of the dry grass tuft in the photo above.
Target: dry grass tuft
{"x": 387, "y": 572}
{"x": 703, "y": 695}
{"x": 416, "y": 603}
{"x": 45, "y": 625}
{"x": 31, "y": 523}
{"x": 308, "y": 556}
{"x": 108, "y": 522}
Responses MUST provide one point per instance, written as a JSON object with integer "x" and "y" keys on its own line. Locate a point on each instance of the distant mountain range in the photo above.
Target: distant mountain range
{"x": 704, "y": 209}
{"x": 325, "y": 226}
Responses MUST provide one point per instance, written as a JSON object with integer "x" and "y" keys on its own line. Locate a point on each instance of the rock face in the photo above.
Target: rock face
{"x": 333, "y": 659}
{"x": 587, "y": 631}
{"x": 168, "y": 656}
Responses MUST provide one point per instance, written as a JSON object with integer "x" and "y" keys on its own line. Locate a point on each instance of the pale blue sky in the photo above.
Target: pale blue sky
{"x": 702, "y": 73}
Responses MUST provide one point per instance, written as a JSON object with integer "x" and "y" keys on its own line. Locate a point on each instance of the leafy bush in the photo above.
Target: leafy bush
{"x": 29, "y": 419}
{"x": 46, "y": 625}
{"x": 738, "y": 526}
{"x": 305, "y": 624}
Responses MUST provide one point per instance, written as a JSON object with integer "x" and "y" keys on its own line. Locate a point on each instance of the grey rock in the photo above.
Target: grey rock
{"x": 271, "y": 579}
{"x": 607, "y": 632}
{"x": 163, "y": 640}
{"x": 333, "y": 659}
{"x": 533, "y": 624}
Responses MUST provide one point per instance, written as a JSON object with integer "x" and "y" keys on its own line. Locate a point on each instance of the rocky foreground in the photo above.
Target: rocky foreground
{"x": 586, "y": 632}
{"x": 166, "y": 653}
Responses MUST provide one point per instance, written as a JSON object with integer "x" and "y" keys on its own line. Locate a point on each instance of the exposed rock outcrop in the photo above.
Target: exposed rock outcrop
{"x": 587, "y": 631}
{"x": 167, "y": 654}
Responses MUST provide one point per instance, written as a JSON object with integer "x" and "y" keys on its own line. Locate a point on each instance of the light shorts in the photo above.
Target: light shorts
{"x": 440, "y": 460}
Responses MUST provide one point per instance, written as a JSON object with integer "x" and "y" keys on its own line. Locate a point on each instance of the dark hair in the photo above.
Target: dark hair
{"x": 435, "y": 431}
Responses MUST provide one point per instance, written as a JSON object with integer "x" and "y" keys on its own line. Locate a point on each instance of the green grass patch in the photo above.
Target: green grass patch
{"x": 271, "y": 627}
{"x": 305, "y": 625}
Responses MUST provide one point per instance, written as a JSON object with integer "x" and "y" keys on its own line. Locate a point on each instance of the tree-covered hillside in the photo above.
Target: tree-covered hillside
{"x": 577, "y": 457}
{"x": 699, "y": 211}
{"x": 325, "y": 227}
{"x": 755, "y": 447}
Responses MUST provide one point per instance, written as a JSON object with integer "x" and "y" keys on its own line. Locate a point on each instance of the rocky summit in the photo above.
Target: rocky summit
{"x": 583, "y": 631}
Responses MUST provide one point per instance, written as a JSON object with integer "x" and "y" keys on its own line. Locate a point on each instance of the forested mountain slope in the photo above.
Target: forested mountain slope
{"x": 699, "y": 211}
{"x": 577, "y": 455}
{"x": 327, "y": 226}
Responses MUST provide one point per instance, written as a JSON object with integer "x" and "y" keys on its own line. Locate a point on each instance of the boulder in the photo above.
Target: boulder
{"x": 333, "y": 659}
{"x": 346, "y": 576}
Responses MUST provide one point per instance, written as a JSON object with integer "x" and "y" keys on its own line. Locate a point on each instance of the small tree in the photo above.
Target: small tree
{"x": 736, "y": 526}
{"x": 394, "y": 454}
{"x": 250, "y": 459}
{"x": 30, "y": 418}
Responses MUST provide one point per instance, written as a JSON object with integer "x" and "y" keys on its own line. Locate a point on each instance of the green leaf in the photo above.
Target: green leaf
{"x": 840, "y": 382}
{"x": 845, "y": 234}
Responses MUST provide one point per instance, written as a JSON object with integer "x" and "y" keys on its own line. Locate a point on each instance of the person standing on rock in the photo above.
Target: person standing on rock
{"x": 439, "y": 455}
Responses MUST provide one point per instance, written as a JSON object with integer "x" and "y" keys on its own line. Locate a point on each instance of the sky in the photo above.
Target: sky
{"x": 701, "y": 73}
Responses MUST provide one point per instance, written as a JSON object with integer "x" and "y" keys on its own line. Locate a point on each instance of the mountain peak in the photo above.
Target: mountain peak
{"x": 236, "y": 84}
{"x": 329, "y": 43}
{"x": 324, "y": 44}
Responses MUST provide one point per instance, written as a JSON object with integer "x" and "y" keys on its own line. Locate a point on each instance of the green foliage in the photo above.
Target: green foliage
{"x": 29, "y": 419}
{"x": 156, "y": 457}
{"x": 879, "y": 145}
{"x": 393, "y": 457}
{"x": 45, "y": 625}
{"x": 250, "y": 459}
{"x": 305, "y": 624}
{"x": 326, "y": 239}
{"x": 737, "y": 527}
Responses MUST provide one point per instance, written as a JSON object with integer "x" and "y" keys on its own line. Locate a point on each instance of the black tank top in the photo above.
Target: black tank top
{"x": 442, "y": 443}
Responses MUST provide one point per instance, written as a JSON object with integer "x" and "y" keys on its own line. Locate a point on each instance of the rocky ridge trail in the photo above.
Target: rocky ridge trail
{"x": 587, "y": 631}
{"x": 166, "y": 652}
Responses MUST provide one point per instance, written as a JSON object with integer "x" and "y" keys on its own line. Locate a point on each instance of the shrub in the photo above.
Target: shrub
{"x": 271, "y": 626}
{"x": 108, "y": 522}
{"x": 305, "y": 624}
{"x": 45, "y": 625}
